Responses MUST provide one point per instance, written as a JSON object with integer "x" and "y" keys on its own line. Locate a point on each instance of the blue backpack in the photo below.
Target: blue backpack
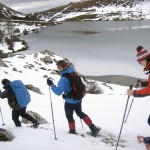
{"x": 21, "y": 93}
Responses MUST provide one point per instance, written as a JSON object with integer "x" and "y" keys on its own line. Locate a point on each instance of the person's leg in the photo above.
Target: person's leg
{"x": 148, "y": 121}
{"x": 81, "y": 114}
{"x": 23, "y": 114}
{"x": 69, "y": 115}
{"x": 146, "y": 140}
{"x": 86, "y": 119}
{"x": 15, "y": 117}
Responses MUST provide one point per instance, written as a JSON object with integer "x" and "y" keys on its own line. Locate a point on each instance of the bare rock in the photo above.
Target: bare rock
{"x": 2, "y": 64}
{"x": 47, "y": 60}
{"x": 5, "y": 135}
{"x": 34, "y": 89}
{"x": 36, "y": 116}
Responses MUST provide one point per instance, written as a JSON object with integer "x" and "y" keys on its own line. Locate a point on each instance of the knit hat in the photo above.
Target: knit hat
{"x": 4, "y": 81}
{"x": 139, "y": 48}
{"x": 142, "y": 55}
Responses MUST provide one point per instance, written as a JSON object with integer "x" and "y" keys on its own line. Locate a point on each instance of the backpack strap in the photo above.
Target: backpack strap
{"x": 67, "y": 75}
{"x": 67, "y": 95}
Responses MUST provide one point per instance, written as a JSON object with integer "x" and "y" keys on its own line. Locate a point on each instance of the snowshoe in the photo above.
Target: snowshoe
{"x": 140, "y": 139}
{"x": 145, "y": 140}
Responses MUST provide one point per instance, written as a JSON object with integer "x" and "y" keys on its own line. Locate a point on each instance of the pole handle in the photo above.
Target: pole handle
{"x": 131, "y": 86}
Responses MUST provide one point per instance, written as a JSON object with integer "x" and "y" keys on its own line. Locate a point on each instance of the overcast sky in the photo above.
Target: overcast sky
{"x": 28, "y": 6}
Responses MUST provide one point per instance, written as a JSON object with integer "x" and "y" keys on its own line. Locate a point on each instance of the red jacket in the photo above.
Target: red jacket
{"x": 145, "y": 91}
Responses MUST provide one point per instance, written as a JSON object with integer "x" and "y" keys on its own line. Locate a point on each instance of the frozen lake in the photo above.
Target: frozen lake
{"x": 96, "y": 47}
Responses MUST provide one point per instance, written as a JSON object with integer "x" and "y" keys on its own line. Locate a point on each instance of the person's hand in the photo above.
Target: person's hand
{"x": 138, "y": 83}
{"x": 130, "y": 92}
{"x": 63, "y": 96}
{"x": 49, "y": 82}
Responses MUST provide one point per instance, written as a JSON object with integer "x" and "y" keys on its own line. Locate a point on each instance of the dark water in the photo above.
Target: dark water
{"x": 95, "y": 47}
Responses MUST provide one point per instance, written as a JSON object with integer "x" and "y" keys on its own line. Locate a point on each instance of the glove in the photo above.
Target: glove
{"x": 63, "y": 96}
{"x": 49, "y": 82}
{"x": 138, "y": 83}
{"x": 130, "y": 92}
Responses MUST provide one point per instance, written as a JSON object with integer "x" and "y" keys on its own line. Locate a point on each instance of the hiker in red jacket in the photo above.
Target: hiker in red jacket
{"x": 143, "y": 58}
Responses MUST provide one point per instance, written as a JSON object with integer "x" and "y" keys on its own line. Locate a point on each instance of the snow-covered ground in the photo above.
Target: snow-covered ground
{"x": 106, "y": 110}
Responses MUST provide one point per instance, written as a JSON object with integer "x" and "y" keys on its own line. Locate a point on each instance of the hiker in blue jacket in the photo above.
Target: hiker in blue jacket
{"x": 16, "y": 109}
{"x": 71, "y": 105}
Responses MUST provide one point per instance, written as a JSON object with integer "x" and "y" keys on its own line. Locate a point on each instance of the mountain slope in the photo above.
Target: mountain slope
{"x": 86, "y": 10}
{"x": 6, "y": 12}
{"x": 96, "y": 10}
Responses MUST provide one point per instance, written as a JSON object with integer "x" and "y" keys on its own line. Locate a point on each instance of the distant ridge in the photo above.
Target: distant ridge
{"x": 8, "y": 13}
{"x": 115, "y": 79}
{"x": 85, "y": 10}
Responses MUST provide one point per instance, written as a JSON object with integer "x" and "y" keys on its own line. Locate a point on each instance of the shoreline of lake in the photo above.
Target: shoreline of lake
{"x": 115, "y": 79}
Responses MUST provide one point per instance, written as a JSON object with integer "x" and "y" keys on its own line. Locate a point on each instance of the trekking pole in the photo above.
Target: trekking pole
{"x": 2, "y": 117}
{"x": 125, "y": 120}
{"x": 81, "y": 123}
{"x": 52, "y": 113}
{"x": 123, "y": 117}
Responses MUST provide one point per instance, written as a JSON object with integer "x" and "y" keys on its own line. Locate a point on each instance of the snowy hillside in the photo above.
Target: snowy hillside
{"x": 16, "y": 23}
{"x": 86, "y": 10}
{"x": 97, "y": 10}
{"x": 106, "y": 110}
{"x": 6, "y": 12}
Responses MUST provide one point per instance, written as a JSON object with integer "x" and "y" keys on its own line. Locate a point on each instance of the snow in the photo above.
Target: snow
{"x": 139, "y": 11}
{"x": 106, "y": 111}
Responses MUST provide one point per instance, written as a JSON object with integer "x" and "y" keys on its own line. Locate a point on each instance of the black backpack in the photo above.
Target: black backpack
{"x": 77, "y": 87}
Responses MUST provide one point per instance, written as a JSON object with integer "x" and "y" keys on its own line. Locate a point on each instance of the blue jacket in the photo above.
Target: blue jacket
{"x": 63, "y": 86}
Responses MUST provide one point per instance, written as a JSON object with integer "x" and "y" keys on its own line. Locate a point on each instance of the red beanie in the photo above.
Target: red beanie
{"x": 142, "y": 55}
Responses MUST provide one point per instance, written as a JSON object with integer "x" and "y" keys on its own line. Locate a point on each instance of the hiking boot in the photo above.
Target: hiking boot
{"x": 36, "y": 124}
{"x": 146, "y": 140}
{"x": 72, "y": 132}
{"x": 94, "y": 130}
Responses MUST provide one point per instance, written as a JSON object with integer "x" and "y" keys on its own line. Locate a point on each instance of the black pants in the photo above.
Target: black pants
{"x": 70, "y": 108}
{"x": 148, "y": 120}
{"x": 23, "y": 114}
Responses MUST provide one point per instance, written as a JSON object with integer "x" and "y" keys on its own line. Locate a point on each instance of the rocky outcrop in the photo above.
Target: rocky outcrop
{"x": 5, "y": 135}
{"x": 35, "y": 115}
{"x": 2, "y": 64}
{"x": 34, "y": 89}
